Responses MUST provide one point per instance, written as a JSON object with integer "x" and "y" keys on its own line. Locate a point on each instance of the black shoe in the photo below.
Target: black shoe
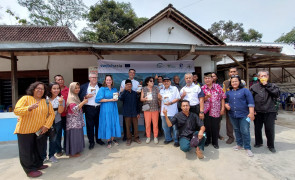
{"x": 216, "y": 146}
{"x": 273, "y": 150}
{"x": 100, "y": 142}
{"x": 207, "y": 144}
{"x": 124, "y": 138}
{"x": 91, "y": 146}
{"x": 167, "y": 142}
{"x": 257, "y": 145}
{"x": 176, "y": 144}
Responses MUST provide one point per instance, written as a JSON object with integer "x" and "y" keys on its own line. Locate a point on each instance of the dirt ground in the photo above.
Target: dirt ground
{"x": 150, "y": 161}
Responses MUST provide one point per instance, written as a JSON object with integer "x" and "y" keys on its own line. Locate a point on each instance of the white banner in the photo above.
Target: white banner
{"x": 118, "y": 66}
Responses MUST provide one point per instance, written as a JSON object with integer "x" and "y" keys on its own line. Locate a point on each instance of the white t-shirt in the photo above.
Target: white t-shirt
{"x": 168, "y": 95}
{"x": 55, "y": 104}
{"x": 134, "y": 85}
{"x": 92, "y": 90}
{"x": 192, "y": 94}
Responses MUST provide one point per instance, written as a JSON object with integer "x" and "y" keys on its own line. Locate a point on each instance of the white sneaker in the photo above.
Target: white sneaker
{"x": 53, "y": 159}
{"x": 249, "y": 152}
{"x": 156, "y": 141}
{"x": 148, "y": 140}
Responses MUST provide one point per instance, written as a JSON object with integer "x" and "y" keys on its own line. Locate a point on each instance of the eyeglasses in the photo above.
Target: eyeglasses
{"x": 234, "y": 76}
{"x": 39, "y": 89}
{"x": 94, "y": 77}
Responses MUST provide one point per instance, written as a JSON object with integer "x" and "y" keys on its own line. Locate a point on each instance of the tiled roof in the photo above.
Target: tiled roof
{"x": 36, "y": 33}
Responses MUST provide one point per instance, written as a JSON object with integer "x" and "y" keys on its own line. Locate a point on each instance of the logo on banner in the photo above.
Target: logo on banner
{"x": 127, "y": 65}
{"x": 111, "y": 65}
{"x": 160, "y": 65}
{"x": 180, "y": 65}
{"x": 171, "y": 66}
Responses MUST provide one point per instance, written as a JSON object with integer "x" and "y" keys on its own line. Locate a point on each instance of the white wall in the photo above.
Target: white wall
{"x": 25, "y": 63}
{"x": 158, "y": 33}
{"x": 64, "y": 65}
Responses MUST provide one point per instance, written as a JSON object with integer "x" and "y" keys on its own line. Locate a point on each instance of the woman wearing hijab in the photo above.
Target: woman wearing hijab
{"x": 75, "y": 122}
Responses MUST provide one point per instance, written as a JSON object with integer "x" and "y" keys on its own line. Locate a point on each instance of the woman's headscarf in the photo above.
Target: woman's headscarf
{"x": 72, "y": 97}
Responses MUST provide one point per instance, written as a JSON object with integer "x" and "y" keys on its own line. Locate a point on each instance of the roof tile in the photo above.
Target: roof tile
{"x": 36, "y": 33}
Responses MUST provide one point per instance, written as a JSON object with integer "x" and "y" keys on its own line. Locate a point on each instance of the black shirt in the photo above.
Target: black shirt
{"x": 130, "y": 103}
{"x": 187, "y": 125}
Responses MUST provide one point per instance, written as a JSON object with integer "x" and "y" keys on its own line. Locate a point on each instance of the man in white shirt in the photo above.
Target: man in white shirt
{"x": 135, "y": 84}
{"x": 194, "y": 94}
{"x": 169, "y": 96}
{"x": 91, "y": 109}
{"x": 135, "y": 87}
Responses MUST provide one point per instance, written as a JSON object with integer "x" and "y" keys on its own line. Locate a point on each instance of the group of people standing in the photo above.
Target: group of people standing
{"x": 189, "y": 115}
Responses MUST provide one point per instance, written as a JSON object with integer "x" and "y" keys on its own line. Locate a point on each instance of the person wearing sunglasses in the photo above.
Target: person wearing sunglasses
{"x": 149, "y": 97}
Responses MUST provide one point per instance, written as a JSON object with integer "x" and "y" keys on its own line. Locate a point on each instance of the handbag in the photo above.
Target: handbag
{"x": 194, "y": 141}
{"x": 146, "y": 107}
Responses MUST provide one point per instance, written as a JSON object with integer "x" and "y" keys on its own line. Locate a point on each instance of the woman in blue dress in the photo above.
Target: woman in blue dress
{"x": 109, "y": 124}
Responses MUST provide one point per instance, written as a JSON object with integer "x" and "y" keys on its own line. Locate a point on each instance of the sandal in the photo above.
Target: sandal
{"x": 109, "y": 144}
{"x": 115, "y": 142}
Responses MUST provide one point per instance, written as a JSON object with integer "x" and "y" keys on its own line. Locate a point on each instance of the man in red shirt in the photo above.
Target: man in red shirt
{"x": 64, "y": 92}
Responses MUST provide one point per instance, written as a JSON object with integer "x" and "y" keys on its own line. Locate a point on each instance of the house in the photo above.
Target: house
{"x": 167, "y": 27}
{"x": 39, "y": 53}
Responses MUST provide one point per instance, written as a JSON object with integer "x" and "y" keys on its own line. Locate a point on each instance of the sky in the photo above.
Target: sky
{"x": 272, "y": 18}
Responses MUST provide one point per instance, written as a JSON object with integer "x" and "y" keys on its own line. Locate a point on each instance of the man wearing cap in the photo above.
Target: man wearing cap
{"x": 194, "y": 94}
{"x": 191, "y": 129}
{"x": 130, "y": 111}
{"x": 91, "y": 109}
{"x": 169, "y": 97}
{"x": 135, "y": 87}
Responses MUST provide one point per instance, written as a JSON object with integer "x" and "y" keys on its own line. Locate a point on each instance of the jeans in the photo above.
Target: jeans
{"x": 242, "y": 131}
{"x": 58, "y": 128}
{"x": 185, "y": 143}
{"x": 167, "y": 130}
{"x": 52, "y": 142}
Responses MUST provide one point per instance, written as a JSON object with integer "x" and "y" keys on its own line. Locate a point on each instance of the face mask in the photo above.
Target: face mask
{"x": 255, "y": 78}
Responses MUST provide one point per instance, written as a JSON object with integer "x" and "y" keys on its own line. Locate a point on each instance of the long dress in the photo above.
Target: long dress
{"x": 109, "y": 124}
{"x": 74, "y": 129}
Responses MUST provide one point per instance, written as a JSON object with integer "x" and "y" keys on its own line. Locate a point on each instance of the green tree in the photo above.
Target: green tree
{"x": 287, "y": 38}
{"x": 230, "y": 31}
{"x": 109, "y": 21}
{"x": 17, "y": 18}
{"x": 54, "y": 12}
